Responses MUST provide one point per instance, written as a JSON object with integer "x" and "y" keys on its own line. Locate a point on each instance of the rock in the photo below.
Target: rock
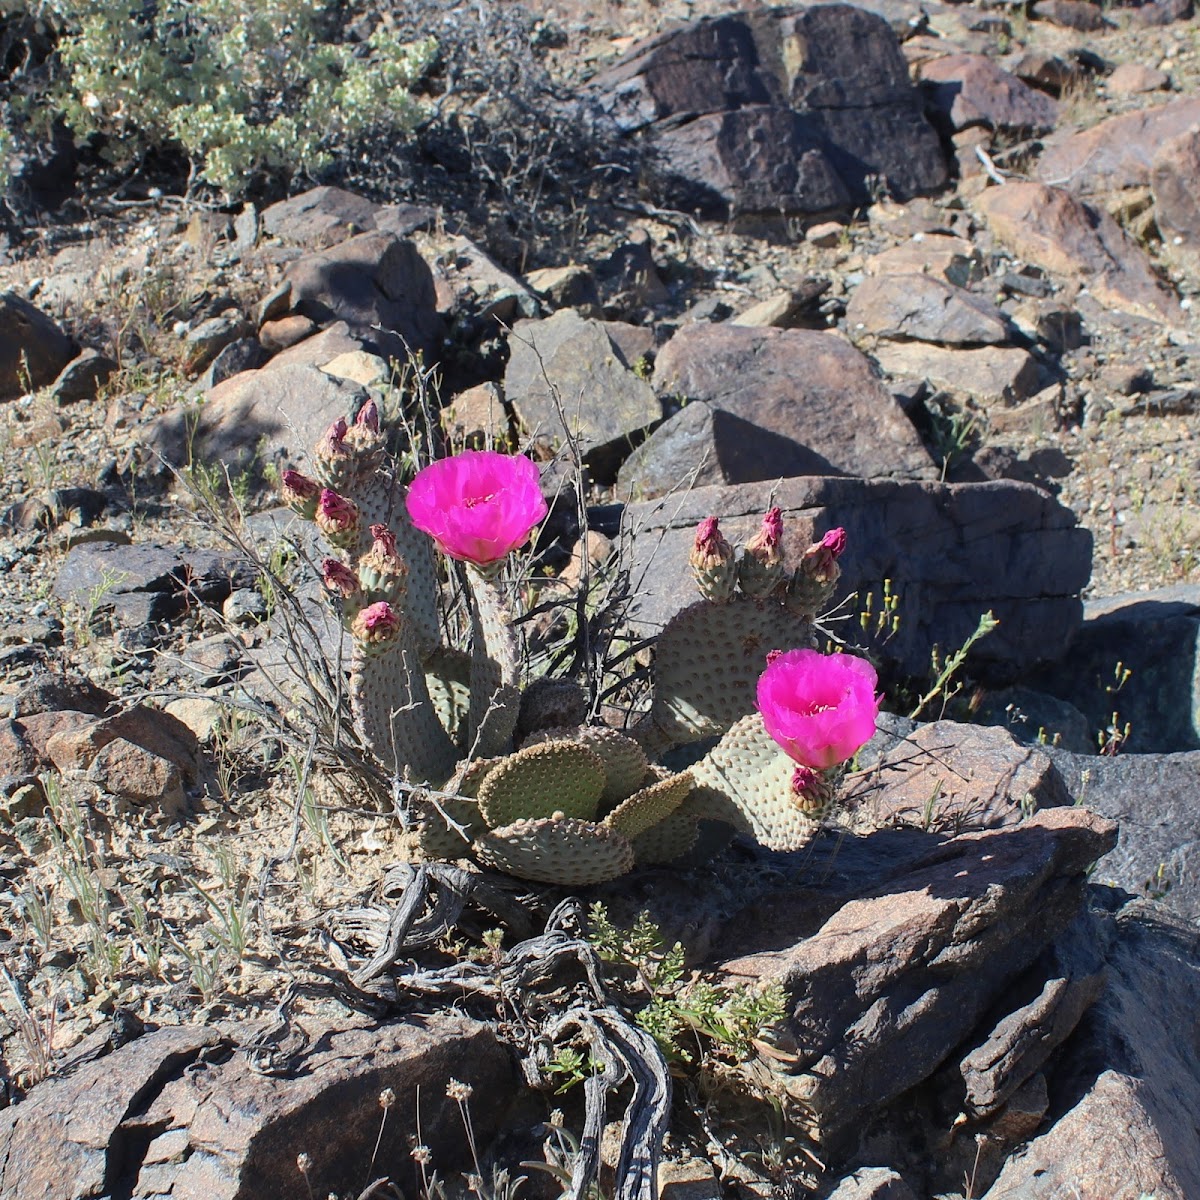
{"x": 775, "y": 111}
{"x": 970, "y": 89}
{"x": 33, "y": 349}
{"x": 475, "y": 286}
{"x": 1134, "y": 79}
{"x": 882, "y": 992}
{"x": 361, "y": 367}
{"x": 1128, "y": 1080}
{"x": 133, "y": 773}
{"x": 320, "y": 349}
{"x": 1117, "y": 152}
{"x": 923, "y": 308}
{"x": 476, "y": 418}
{"x": 940, "y": 255}
{"x": 1155, "y": 637}
{"x": 785, "y": 310}
{"x": 1060, "y": 233}
{"x": 159, "y": 1116}
{"x": 989, "y": 375}
{"x": 202, "y": 716}
{"x": 795, "y": 381}
{"x": 1153, "y": 799}
{"x": 76, "y": 745}
{"x": 703, "y": 445}
{"x": 379, "y": 285}
{"x": 825, "y": 234}
{"x": 631, "y": 273}
{"x": 83, "y": 377}
{"x": 100, "y": 575}
{"x": 950, "y": 777}
{"x": 244, "y": 606}
{"x": 607, "y": 405}
{"x": 1160, "y": 12}
{"x": 572, "y": 286}
{"x": 872, "y": 1183}
{"x": 1175, "y": 181}
{"x": 1071, "y": 14}
{"x": 282, "y": 332}
{"x": 1038, "y": 719}
{"x": 209, "y": 338}
{"x": 1047, "y": 71}
{"x": 951, "y": 552}
{"x": 246, "y": 354}
{"x": 325, "y": 216}
{"x": 273, "y": 415}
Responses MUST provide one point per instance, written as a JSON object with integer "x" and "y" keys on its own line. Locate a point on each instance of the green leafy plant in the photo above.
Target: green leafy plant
{"x": 244, "y": 90}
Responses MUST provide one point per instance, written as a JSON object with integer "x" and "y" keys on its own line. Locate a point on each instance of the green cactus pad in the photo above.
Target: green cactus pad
{"x": 567, "y": 852}
{"x": 448, "y": 678}
{"x": 439, "y": 840}
{"x": 708, "y": 659}
{"x": 662, "y": 795}
{"x": 541, "y": 780}
{"x": 469, "y": 777}
{"x": 625, "y": 762}
{"x": 746, "y": 781}
{"x": 670, "y": 839}
{"x": 495, "y": 670}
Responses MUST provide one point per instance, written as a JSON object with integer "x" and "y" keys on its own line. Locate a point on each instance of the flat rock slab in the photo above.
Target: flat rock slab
{"x": 998, "y": 376}
{"x": 1129, "y": 1083}
{"x": 324, "y": 216}
{"x": 1115, "y": 153}
{"x": 951, "y": 552}
{"x": 776, "y": 111}
{"x": 886, "y": 988}
{"x": 572, "y": 368}
{"x": 1153, "y": 797}
{"x": 953, "y": 777}
{"x": 970, "y": 89}
{"x": 175, "y": 1114}
{"x": 923, "y": 308}
{"x": 1064, "y": 235}
{"x": 811, "y": 388}
{"x": 272, "y": 415}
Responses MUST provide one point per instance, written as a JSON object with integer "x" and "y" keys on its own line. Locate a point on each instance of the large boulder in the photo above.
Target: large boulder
{"x": 813, "y": 389}
{"x": 776, "y": 111}
{"x": 33, "y": 349}
{"x": 950, "y": 551}
{"x": 970, "y": 89}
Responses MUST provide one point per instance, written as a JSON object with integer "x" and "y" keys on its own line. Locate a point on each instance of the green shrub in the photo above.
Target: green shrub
{"x": 246, "y": 88}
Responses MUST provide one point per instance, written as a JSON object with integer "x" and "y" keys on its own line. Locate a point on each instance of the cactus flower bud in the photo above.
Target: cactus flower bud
{"x": 337, "y": 518}
{"x": 761, "y": 567}
{"x": 814, "y": 580}
{"x": 712, "y": 562}
{"x": 368, "y": 416}
{"x": 382, "y": 571}
{"x": 338, "y": 578}
{"x": 375, "y": 628}
{"x": 814, "y": 793}
{"x": 300, "y": 494}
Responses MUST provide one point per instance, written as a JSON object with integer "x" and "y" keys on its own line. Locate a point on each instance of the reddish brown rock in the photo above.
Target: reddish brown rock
{"x": 282, "y": 332}
{"x": 1071, "y": 14}
{"x": 925, "y": 309}
{"x": 1132, "y": 79}
{"x": 970, "y": 89}
{"x": 75, "y": 748}
{"x": 1116, "y": 153}
{"x": 125, "y": 769}
{"x": 953, "y": 777}
{"x": 1175, "y": 179}
{"x": 1052, "y": 228}
{"x": 806, "y": 386}
{"x": 33, "y": 349}
{"x": 988, "y": 375}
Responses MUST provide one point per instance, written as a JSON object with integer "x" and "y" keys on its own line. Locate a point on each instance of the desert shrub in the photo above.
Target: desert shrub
{"x": 245, "y": 89}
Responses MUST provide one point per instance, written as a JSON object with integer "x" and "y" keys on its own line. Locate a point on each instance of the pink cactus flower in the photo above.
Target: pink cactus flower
{"x": 478, "y": 505}
{"x": 820, "y": 708}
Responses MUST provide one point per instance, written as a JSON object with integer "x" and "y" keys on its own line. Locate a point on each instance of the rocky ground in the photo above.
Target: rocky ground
{"x": 1023, "y": 314}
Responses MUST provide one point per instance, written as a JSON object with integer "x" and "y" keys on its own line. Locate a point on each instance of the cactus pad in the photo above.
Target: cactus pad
{"x": 746, "y": 781}
{"x": 551, "y": 703}
{"x": 661, "y": 796}
{"x": 538, "y": 781}
{"x": 708, "y": 659}
{"x": 566, "y": 852}
{"x": 670, "y": 839}
{"x": 624, "y": 760}
{"x": 438, "y": 840}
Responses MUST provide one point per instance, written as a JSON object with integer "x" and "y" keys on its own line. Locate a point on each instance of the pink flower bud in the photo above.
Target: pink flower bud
{"x": 804, "y": 781}
{"x": 478, "y": 506}
{"x": 330, "y": 446}
{"x": 819, "y": 561}
{"x": 835, "y": 542}
{"x": 368, "y": 416}
{"x": 300, "y": 493}
{"x": 710, "y": 547}
{"x": 337, "y": 518}
{"x": 376, "y": 624}
{"x": 384, "y": 542}
{"x": 338, "y": 577}
{"x": 761, "y": 567}
{"x": 820, "y": 708}
{"x": 382, "y": 571}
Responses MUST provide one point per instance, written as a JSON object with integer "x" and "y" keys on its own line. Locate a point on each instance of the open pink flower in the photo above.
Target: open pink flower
{"x": 820, "y": 708}
{"x": 478, "y": 505}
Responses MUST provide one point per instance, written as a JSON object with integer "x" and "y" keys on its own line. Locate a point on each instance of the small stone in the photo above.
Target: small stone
{"x": 82, "y": 377}
{"x": 276, "y": 303}
{"x": 245, "y": 606}
{"x": 283, "y": 332}
{"x": 134, "y": 773}
{"x": 209, "y": 338}
{"x": 826, "y": 235}
{"x": 1132, "y": 79}
{"x": 359, "y": 366}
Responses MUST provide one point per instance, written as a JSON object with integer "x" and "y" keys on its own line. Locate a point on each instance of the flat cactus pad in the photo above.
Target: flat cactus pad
{"x": 541, "y": 780}
{"x": 564, "y": 851}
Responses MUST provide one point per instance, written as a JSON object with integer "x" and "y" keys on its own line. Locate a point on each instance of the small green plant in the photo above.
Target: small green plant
{"x": 944, "y": 670}
{"x": 722, "y": 1022}
{"x": 883, "y": 623}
